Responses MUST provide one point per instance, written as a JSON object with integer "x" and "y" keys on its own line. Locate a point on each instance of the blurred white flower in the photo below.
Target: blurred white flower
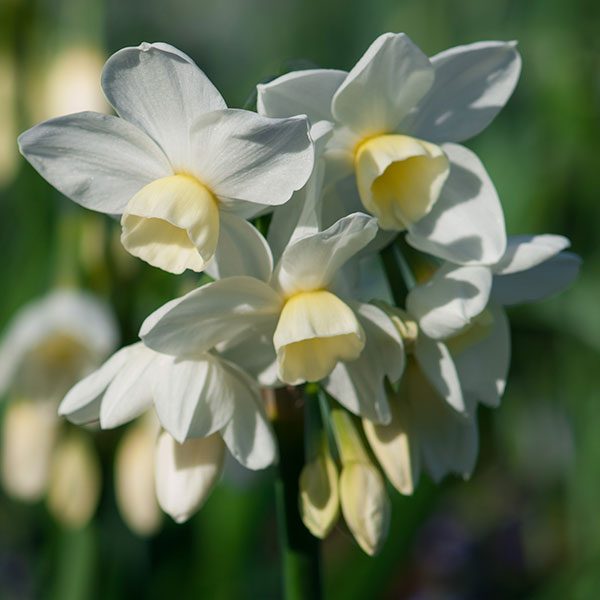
{"x": 396, "y": 114}
{"x": 182, "y": 169}
{"x": 47, "y": 347}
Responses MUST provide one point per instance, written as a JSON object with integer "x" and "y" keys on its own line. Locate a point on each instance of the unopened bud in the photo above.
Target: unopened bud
{"x": 365, "y": 505}
{"x": 28, "y": 439}
{"x": 74, "y": 487}
{"x": 319, "y": 495}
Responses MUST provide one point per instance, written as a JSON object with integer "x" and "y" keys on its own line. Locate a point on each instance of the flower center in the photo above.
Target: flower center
{"x": 479, "y": 328}
{"x": 172, "y": 223}
{"x": 315, "y": 331}
{"x": 399, "y": 178}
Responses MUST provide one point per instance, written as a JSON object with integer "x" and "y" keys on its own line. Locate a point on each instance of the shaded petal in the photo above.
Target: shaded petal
{"x": 383, "y": 86}
{"x": 448, "y": 302}
{"x": 396, "y": 446}
{"x": 482, "y": 366}
{"x": 130, "y": 392}
{"x": 211, "y": 314}
{"x": 162, "y": 91}
{"x": 359, "y": 385}
{"x": 436, "y": 363}
{"x": 540, "y": 282}
{"x": 449, "y": 442}
{"x": 526, "y": 251}
{"x": 308, "y": 92}
{"x": 81, "y": 405}
{"x": 311, "y": 262}
{"x": 98, "y": 161}
{"x": 472, "y": 84}
{"x": 240, "y": 155}
{"x": 194, "y": 397}
{"x": 249, "y": 435}
{"x": 241, "y": 250}
{"x": 466, "y": 224}
{"x": 187, "y": 473}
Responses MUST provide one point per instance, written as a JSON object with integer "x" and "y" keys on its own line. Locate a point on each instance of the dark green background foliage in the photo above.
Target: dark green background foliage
{"x": 527, "y": 525}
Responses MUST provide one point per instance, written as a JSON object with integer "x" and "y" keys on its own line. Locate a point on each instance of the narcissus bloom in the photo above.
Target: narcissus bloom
{"x": 397, "y": 115}
{"x": 182, "y": 169}
{"x": 424, "y": 428}
{"x": 309, "y": 329}
{"x": 206, "y": 405}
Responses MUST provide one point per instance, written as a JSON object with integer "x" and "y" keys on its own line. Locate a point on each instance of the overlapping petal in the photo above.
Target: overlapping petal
{"x": 527, "y": 251}
{"x": 240, "y": 155}
{"x": 308, "y": 92}
{"x": 160, "y": 89}
{"x": 383, "y": 86}
{"x": 466, "y": 224}
{"x": 447, "y": 303}
{"x": 211, "y": 314}
{"x": 472, "y": 84}
{"x": 311, "y": 262}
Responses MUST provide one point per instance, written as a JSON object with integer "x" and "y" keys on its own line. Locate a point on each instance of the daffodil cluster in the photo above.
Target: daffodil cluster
{"x": 351, "y": 243}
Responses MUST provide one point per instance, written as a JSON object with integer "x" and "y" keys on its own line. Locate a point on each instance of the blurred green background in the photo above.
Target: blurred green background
{"x": 527, "y": 525}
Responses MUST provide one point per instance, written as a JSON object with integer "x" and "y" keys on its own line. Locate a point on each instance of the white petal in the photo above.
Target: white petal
{"x": 98, "y": 161}
{"x": 359, "y": 385}
{"x": 161, "y": 90}
{"x": 307, "y": 92}
{"x": 396, "y": 446}
{"x": 472, "y": 84}
{"x": 241, "y": 250}
{"x": 82, "y": 403}
{"x": 466, "y": 224}
{"x": 300, "y": 216}
{"x": 211, "y": 314}
{"x": 482, "y": 366}
{"x": 311, "y": 262}
{"x": 187, "y": 473}
{"x": 194, "y": 397}
{"x": 526, "y": 251}
{"x": 240, "y": 155}
{"x": 384, "y": 85}
{"x": 130, "y": 392}
{"x": 436, "y": 364}
{"x": 249, "y": 435}
{"x": 538, "y": 283}
{"x": 448, "y": 302}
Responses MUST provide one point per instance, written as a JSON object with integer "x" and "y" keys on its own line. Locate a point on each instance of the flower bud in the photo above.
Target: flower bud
{"x": 134, "y": 478}
{"x": 365, "y": 505}
{"x": 187, "y": 473}
{"x": 319, "y": 495}
{"x": 74, "y": 487}
{"x": 28, "y": 439}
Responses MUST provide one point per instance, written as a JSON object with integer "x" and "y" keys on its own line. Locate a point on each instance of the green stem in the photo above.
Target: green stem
{"x": 394, "y": 274}
{"x": 299, "y": 549}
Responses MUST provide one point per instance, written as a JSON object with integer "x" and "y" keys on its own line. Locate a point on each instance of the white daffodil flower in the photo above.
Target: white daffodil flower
{"x": 423, "y": 428}
{"x": 397, "y": 116}
{"x": 205, "y": 403}
{"x": 293, "y": 318}
{"x": 47, "y": 347}
{"x": 182, "y": 169}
